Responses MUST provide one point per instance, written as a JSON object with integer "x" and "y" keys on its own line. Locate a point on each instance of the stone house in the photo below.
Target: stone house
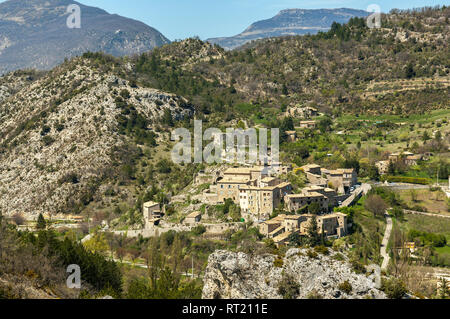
{"x": 411, "y": 160}
{"x": 193, "y": 218}
{"x": 282, "y": 226}
{"x": 326, "y": 191}
{"x": 152, "y": 214}
{"x": 341, "y": 179}
{"x": 294, "y": 202}
{"x": 308, "y": 124}
{"x": 234, "y": 178}
{"x": 291, "y": 136}
{"x": 383, "y": 167}
{"x": 261, "y": 200}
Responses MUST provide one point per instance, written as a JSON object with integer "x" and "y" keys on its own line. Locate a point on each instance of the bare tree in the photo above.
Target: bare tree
{"x": 376, "y": 205}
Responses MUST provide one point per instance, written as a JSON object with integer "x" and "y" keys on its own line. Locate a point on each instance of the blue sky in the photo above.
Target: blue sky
{"x": 179, "y": 19}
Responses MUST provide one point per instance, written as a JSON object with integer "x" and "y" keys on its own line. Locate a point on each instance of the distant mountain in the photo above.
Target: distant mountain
{"x": 290, "y": 22}
{"x": 34, "y": 34}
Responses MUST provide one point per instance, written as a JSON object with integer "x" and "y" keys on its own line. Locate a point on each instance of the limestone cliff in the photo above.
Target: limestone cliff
{"x": 242, "y": 276}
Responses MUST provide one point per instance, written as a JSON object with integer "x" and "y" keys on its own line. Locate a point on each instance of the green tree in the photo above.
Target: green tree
{"x": 409, "y": 71}
{"x": 374, "y": 173}
{"x": 41, "y": 223}
{"x": 394, "y": 288}
{"x": 97, "y": 244}
{"x": 324, "y": 124}
{"x": 391, "y": 168}
{"x": 313, "y": 232}
{"x": 397, "y": 213}
{"x": 352, "y": 163}
{"x": 314, "y": 208}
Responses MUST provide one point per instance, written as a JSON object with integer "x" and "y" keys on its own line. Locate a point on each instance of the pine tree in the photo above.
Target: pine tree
{"x": 313, "y": 234}
{"x": 374, "y": 174}
{"x": 41, "y": 223}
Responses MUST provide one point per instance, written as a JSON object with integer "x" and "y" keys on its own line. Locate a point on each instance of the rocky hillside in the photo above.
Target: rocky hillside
{"x": 290, "y": 22}
{"x": 241, "y": 276}
{"x": 62, "y": 135}
{"x": 401, "y": 68}
{"x": 34, "y": 34}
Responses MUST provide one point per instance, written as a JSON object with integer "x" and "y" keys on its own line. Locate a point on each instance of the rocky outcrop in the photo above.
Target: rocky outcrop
{"x": 231, "y": 275}
{"x": 65, "y": 124}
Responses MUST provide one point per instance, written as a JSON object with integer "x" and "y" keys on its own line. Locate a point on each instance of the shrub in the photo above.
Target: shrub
{"x": 322, "y": 250}
{"x": 313, "y": 294}
{"x": 397, "y": 213}
{"x": 339, "y": 257}
{"x": 288, "y": 287}
{"x": 48, "y": 140}
{"x": 345, "y": 287}
{"x": 394, "y": 288}
{"x": 125, "y": 94}
{"x": 45, "y": 130}
{"x": 406, "y": 179}
{"x": 311, "y": 254}
{"x": 69, "y": 178}
{"x": 358, "y": 267}
{"x": 198, "y": 230}
{"x": 278, "y": 262}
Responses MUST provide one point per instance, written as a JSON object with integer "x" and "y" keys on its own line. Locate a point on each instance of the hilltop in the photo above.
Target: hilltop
{"x": 401, "y": 68}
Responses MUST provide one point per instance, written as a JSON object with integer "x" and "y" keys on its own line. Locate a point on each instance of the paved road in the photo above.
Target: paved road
{"x": 384, "y": 243}
{"x": 362, "y": 190}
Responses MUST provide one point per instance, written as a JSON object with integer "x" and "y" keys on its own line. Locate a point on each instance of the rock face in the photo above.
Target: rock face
{"x": 232, "y": 275}
{"x": 34, "y": 34}
{"x": 290, "y": 22}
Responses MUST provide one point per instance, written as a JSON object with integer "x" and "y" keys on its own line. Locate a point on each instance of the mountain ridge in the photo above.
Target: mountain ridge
{"x": 289, "y": 22}
{"x": 34, "y": 34}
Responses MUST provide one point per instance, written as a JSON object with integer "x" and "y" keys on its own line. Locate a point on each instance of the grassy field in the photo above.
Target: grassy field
{"x": 434, "y": 202}
{"x": 396, "y": 139}
{"x": 413, "y": 118}
{"x": 437, "y": 225}
{"x": 443, "y": 250}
